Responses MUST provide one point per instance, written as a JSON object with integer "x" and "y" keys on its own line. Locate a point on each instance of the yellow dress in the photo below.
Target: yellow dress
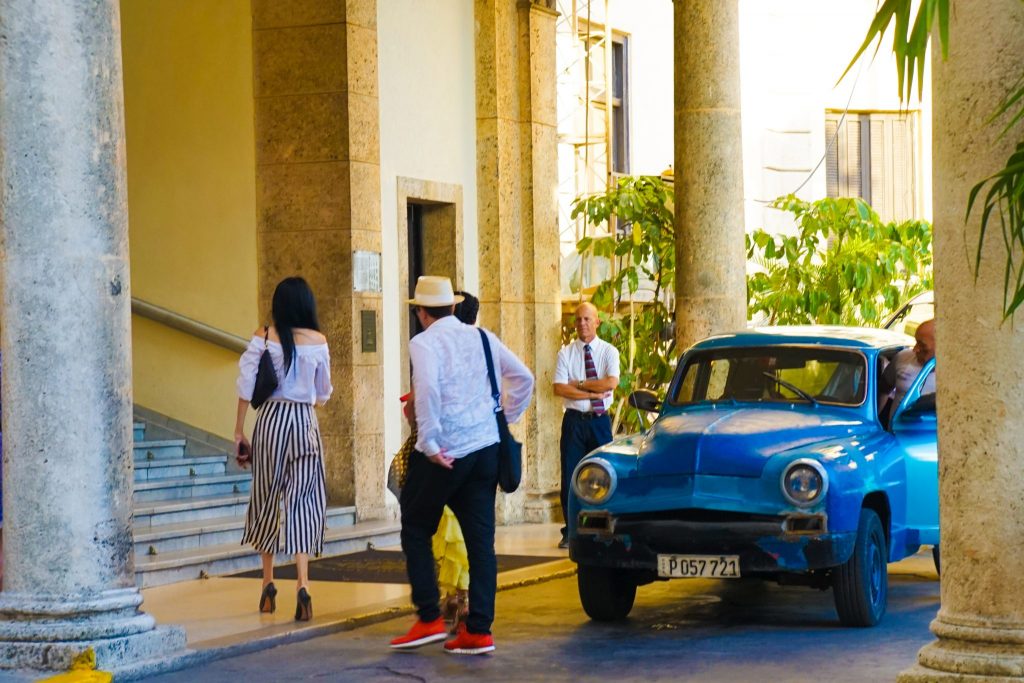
{"x": 450, "y": 554}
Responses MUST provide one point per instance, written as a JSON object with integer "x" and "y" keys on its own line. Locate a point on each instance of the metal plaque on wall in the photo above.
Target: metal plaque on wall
{"x": 366, "y": 271}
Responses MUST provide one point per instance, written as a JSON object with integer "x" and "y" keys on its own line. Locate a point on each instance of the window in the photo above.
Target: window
{"x": 773, "y": 375}
{"x": 875, "y": 157}
{"x": 619, "y": 95}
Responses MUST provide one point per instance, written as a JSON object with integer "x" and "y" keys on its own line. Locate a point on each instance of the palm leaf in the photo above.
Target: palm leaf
{"x": 910, "y": 40}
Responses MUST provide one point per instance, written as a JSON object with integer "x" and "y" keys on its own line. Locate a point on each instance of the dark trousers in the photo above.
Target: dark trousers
{"x": 468, "y": 489}
{"x": 581, "y": 433}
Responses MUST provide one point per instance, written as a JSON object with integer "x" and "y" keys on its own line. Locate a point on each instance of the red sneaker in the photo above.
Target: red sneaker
{"x": 421, "y": 633}
{"x": 466, "y": 643}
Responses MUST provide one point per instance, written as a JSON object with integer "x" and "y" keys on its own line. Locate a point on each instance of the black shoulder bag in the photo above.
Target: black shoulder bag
{"x": 510, "y": 451}
{"x": 266, "y": 378}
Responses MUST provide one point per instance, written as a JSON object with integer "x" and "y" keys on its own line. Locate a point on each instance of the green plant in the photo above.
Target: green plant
{"x": 1004, "y": 200}
{"x": 642, "y": 247}
{"x": 843, "y": 266}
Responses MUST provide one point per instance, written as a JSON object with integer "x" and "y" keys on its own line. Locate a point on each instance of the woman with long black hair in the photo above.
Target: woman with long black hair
{"x": 286, "y": 451}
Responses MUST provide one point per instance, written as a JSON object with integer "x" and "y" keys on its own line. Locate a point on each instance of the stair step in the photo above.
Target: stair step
{"x": 198, "y": 466}
{"x": 190, "y": 510}
{"x": 158, "y": 540}
{"x": 230, "y": 558}
{"x": 138, "y": 431}
{"x": 191, "y": 487}
{"x": 159, "y": 450}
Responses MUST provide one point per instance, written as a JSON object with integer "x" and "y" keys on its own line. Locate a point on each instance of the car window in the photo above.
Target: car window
{"x": 774, "y": 374}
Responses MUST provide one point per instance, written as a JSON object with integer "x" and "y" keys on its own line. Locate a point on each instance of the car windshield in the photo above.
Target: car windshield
{"x": 779, "y": 374}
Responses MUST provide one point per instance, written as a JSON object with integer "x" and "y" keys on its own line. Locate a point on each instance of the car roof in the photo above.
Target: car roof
{"x": 825, "y": 335}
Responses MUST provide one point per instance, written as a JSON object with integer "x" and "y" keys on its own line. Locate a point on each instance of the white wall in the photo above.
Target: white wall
{"x": 427, "y": 131}
{"x": 792, "y": 53}
{"x": 648, "y": 23}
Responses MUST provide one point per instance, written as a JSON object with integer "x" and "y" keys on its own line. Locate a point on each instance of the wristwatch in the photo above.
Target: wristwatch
{"x": 579, "y": 384}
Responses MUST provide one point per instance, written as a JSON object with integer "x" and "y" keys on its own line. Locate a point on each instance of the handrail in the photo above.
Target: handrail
{"x": 179, "y": 322}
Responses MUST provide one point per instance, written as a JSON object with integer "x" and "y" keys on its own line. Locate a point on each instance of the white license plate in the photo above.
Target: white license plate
{"x": 699, "y": 566}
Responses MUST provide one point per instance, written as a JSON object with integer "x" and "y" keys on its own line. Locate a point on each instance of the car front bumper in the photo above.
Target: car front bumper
{"x": 765, "y": 545}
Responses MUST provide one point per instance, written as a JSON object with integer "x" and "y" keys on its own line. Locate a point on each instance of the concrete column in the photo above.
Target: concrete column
{"x": 980, "y": 626}
{"x": 710, "y": 262}
{"x": 518, "y": 221}
{"x": 318, "y": 201}
{"x": 69, "y": 578}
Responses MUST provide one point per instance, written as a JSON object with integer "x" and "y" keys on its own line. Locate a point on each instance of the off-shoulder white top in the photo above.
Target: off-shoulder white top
{"x": 308, "y": 379}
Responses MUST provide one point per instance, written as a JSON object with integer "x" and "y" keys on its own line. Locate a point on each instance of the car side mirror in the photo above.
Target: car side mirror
{"x": 646, "y": 400}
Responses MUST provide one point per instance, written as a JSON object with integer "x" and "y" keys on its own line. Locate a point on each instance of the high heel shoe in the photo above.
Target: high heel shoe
{"x": 303, "y": 606}
{"x": 268, "y": 598}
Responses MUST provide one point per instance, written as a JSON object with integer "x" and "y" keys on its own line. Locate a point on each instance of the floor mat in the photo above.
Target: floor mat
{"x": 377, "y": 566}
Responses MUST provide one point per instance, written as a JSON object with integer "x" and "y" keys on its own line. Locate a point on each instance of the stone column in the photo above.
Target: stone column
{"x": 318, "y": 201}
{"x": 69, "y": 580}
{"x": 518, "y": 221}
{"x": 710, "y": 262}
{"x": 980, "y": 626}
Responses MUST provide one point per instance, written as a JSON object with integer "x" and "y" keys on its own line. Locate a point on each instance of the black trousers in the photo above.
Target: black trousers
{"x": 581, "y": 433}
{"x": 468, "y": 489}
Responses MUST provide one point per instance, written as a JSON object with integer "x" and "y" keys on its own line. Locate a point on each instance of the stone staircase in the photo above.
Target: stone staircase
{"x": 190, "y": 512}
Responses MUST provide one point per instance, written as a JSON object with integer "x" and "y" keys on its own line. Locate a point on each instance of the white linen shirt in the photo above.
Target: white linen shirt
{"x": 572, "y": 368}
{"x": 454, "y": 406}
{"x": 308, "y": 379}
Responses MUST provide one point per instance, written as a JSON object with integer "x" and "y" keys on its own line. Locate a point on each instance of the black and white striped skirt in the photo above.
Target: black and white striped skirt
{"x": 288, "y": 468}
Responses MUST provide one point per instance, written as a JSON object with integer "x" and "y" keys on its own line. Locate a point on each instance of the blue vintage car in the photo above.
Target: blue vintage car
{"x": 768, "y": 459}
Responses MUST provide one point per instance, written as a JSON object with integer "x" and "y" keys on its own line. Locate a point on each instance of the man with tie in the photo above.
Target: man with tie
{"x": 586, "y": 375}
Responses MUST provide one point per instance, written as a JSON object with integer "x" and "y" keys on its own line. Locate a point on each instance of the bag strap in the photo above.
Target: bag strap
{"x": 490, "y": 370}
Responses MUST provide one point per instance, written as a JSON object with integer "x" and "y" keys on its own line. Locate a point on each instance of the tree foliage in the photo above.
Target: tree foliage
{"x": 844, "y": 266}
{"x": 642, "y": 245}
{"x": 1003, "y": 204}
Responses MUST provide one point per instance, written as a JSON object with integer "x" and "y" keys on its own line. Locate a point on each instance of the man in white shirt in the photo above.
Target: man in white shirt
{"x": 585, "y": 377}
{"x": 455, "y": 462}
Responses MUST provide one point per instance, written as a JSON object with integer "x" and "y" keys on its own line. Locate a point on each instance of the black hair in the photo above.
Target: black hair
{"x": 437, "y": 312}
{"x": 467, "y": 309}
{"x": 293, "y": 307}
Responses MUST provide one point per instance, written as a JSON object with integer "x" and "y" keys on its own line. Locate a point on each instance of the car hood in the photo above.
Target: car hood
{"x": 736, "y": 441}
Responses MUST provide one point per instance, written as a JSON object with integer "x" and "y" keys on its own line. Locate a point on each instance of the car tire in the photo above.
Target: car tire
{"x": 606, "y": 594}
{"x": 938, "y": 559}
{"x": 861, "y": 585}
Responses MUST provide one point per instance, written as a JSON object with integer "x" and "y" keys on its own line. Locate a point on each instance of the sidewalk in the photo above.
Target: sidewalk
{"x": 221, "y": 619}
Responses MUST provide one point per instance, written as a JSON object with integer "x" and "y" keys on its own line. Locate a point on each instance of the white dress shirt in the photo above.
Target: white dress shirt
{"x": 454, "y": 406}
{"x": 572, "y": 368}
{"x": 308, "y": 379}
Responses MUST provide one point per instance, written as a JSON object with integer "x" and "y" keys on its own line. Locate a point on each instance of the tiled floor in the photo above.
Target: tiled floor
{"x": 218, "y": 611}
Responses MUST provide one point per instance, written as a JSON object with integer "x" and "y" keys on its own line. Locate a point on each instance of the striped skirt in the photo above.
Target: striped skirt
{"x": 288, "y": 468}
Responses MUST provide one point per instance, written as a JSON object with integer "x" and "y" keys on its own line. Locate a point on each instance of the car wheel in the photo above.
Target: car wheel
{"x": 937, "y": 558}
{"x": 606, "y": 594}
{"x": 861, "y": 585}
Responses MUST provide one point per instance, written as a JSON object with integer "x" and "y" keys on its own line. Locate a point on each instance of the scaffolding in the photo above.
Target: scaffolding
{"x": 585, "y": 74}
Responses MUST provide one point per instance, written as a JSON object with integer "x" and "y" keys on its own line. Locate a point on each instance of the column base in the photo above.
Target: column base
{"x": 542, "y": 507}
{"x": 112, "y": 654}
{"x": 969, "y": 652}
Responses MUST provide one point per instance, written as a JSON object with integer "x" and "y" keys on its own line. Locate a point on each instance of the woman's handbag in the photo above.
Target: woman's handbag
{"x": 510, "y": 451}
{"x": 399, "y": 469}
{"x": 266, "y": 378}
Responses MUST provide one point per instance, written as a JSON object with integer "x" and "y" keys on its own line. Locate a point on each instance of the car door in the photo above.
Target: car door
{"x": 914, "y": 426}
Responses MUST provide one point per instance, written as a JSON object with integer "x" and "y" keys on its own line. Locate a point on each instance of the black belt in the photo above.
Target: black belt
{"x": 588, "y": 415}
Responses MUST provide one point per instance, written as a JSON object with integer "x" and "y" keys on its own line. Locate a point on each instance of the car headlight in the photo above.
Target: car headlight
{"x": 594, "y": 480}
{"x": 804, "y": 482}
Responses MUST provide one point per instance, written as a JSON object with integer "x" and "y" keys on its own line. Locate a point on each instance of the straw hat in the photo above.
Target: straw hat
{"x": 434, "y": 290}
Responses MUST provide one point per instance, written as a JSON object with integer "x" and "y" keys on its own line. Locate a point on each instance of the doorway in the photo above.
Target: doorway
{"x": 429, "y": 243}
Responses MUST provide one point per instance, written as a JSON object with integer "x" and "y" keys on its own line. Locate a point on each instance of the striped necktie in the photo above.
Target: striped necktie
{"x": 596, "y": 404}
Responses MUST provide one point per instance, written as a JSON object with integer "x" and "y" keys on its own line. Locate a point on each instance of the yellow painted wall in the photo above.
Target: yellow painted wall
{"x": 191, "y": 197}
